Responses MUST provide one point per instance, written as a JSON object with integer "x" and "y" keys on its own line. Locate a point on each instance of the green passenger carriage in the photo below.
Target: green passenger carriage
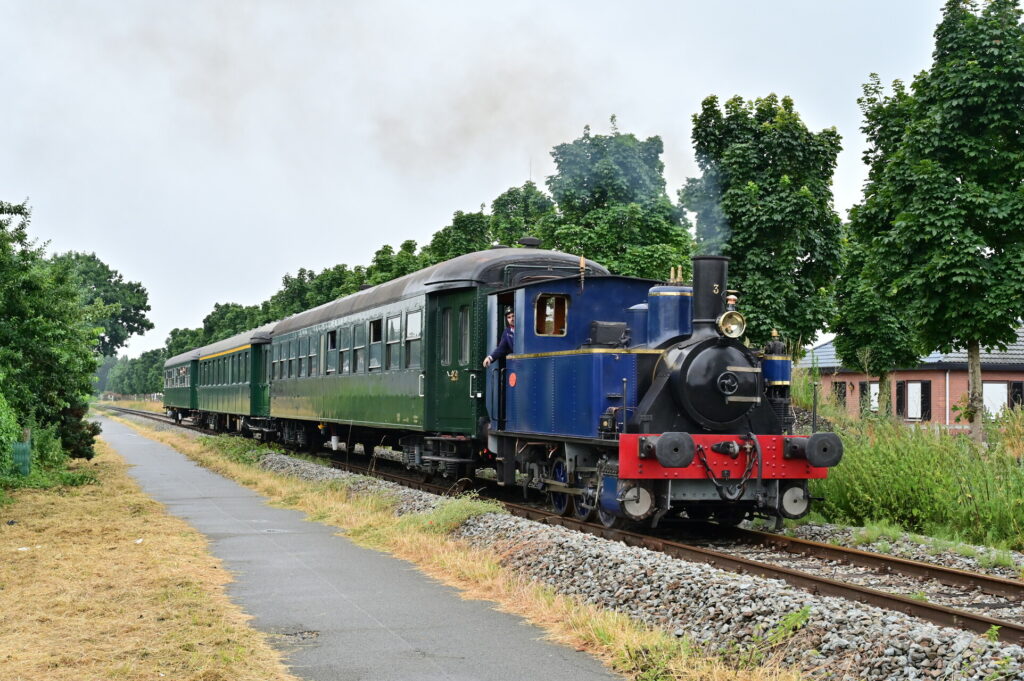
{"x": 179, "y": 384}
{"x": 231, "y": 380}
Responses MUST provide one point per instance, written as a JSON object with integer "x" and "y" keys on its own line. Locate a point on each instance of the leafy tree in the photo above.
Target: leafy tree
{"x": 946, "y": 205}
{"x": 127, "y": 301}
{"x": 765, "y": 200}
{"x": 183, "y": 340}
{"x": 103, "y": 373}
{"x": 468, "y": 232}
{"x": 517, "y": 212}
{"x": 228, "y": 319}
{"x": 382, "y": 266}
{"x": 47, "y": 336}
{"x": 872, "y": 334}
{"x": 612, "y": 205}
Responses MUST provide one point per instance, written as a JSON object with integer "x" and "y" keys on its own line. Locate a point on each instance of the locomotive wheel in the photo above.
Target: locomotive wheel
{"x": 584, "y": 504}
{"x": 561, "y": 503}
{"x": 612, "y": 522}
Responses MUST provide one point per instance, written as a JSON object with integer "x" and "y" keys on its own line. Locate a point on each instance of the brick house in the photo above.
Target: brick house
{"x": 928, "y": 391}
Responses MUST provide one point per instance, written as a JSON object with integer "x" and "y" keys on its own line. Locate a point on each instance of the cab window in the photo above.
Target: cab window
{"x": 550, "y": 314}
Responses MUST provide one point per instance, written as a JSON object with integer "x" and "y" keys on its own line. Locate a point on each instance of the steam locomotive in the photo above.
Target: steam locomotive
{"x": 624, "y": 398}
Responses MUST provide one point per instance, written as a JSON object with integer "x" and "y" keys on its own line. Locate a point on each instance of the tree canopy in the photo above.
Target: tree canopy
{"x": 944, "y": 209}
{"x": 612, "y": 205}
{"x": 764, "y": 199}
{"x": 872, "y": 334}
{"x": 127, "y": 301}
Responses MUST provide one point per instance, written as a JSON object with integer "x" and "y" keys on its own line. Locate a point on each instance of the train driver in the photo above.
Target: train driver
{"x": 508, "y": 336}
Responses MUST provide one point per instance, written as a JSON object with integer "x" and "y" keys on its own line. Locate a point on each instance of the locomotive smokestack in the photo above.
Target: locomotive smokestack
{"x": 710, "y": 277}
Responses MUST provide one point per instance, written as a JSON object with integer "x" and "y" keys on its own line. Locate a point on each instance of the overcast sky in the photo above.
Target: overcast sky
{"x": 207, "y": 148}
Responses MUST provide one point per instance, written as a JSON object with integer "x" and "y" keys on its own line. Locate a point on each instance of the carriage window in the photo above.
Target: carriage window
{"x": 394, "y": 342}
{"x": 446, "y": 336}
{"x": 344, "y": 343}
{"x": 312, "y": 364}
{"x": 550, "y": 314}
{"x": 464, "y": 335}
{"x": 359, "y": 348}
{"x": 376, "y": 336}
{"x": 413, "y": 322}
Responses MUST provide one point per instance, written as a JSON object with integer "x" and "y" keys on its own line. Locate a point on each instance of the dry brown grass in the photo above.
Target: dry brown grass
{"x": 98, "y": 582}
{"x": 626, "y": 646}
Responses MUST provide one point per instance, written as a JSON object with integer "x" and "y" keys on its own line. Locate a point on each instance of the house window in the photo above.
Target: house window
{"x": 914, "y": 400}
{"x": 839, "y": 393}
{"x": 550, "y": 312}
{"x": 996, "y": 396}
{"x": 868, "y": 397}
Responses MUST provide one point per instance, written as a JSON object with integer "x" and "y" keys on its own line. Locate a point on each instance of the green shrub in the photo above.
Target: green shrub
{"x": 47, "y": 449}
{"x": 9, "y": 434}
{"x": 925, "y": 480}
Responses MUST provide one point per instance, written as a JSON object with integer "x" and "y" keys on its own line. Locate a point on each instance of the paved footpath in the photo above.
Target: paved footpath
{"x": 343, "y": 612}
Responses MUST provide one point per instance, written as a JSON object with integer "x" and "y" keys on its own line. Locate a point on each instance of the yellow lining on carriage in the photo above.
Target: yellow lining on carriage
{"x": 785, "y": 358}
{"x": 670, "y": 293}
{"x": 226, "y": 352}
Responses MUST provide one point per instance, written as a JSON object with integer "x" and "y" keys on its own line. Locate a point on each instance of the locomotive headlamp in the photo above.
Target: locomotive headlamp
{"x": 732, "y": 324}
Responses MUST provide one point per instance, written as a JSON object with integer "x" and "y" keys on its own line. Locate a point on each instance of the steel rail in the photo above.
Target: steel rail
{"x": 997, "y": 586}
{"x": 1008, "y": 632}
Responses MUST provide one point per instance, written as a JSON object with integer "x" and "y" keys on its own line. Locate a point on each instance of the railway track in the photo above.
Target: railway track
{"x": 815, "y": 560}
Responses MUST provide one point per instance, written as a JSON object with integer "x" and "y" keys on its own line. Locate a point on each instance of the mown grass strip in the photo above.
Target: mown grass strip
{"x": 99, "y": 582}
{"x": 637, "y": 651}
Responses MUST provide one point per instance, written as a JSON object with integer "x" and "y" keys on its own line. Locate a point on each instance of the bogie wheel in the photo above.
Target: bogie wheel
{"x": 561, "y": 503}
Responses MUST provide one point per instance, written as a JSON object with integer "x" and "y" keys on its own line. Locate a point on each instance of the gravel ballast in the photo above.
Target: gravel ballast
{"x": 725, "y": 612}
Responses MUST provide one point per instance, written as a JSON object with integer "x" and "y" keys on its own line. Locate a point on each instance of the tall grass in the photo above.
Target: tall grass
{"x": 802, "y": 393}
{"x": 926, "y": 480}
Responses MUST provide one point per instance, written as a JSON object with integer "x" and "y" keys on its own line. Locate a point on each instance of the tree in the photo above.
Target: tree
{"x": 468, "y": 232}
{"x": 228, "y": 319}
{"x": 872, "y": 334}
{"x": 946, "y": 207}
{"x": 612, "y": 205}
{"x": 183, "y": 340}
{"x": 47, "y": 336}
{"x": 127, "y": 301}
{"x": 293, "y": 296}
{"x": 517, "y": 212}
{"x": 765, "y": 200}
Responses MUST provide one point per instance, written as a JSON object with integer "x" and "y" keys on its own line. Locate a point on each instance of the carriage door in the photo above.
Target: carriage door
{"x": 457, "y": 375}
{"x": 260, "y": 381}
